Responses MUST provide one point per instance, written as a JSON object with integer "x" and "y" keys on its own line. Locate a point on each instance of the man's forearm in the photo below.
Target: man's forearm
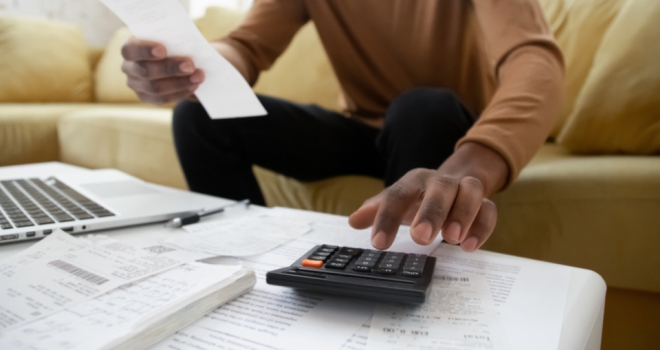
{"x": 235, "y": 57}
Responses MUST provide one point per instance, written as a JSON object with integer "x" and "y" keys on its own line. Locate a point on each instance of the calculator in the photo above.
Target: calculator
{"x": 365, "y": 273}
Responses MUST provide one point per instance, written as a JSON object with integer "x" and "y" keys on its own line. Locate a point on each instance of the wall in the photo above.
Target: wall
{"x": 98, "y": 22}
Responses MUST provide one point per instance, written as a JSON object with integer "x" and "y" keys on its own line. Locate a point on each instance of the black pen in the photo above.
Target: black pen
{"x": 193, "y": 218}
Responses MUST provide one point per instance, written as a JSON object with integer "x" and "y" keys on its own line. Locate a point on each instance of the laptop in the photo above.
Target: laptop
{"x": 37, "y": 199}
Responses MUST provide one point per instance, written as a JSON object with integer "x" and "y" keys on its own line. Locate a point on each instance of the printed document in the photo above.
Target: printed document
{"x": 112, "y": 316}
{"x": 458, "y": 314}
{"x": 242, "y": 237}
{"x": 224, "y": 92}
{"x": 529, "y": 295}
{"x": 273, "y": 317}
{"x": 61, "y": 271}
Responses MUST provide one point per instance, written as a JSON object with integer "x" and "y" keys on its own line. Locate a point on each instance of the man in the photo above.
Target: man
{"x": 414, "y": 75}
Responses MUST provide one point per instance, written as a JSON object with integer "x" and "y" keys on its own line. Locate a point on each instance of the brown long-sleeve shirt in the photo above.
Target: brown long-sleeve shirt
{"x": 498, "y": 56}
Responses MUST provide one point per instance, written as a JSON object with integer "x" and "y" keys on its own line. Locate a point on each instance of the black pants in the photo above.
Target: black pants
{"x": 309, "y": 143}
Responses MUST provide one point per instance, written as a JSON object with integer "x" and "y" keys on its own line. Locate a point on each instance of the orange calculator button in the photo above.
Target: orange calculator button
{"x": 312, "y": 263}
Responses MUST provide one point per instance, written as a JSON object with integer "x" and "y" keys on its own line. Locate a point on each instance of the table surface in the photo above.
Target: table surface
{"x": 583, "y": 314}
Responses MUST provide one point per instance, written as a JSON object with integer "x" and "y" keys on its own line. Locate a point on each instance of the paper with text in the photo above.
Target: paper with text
{"x": 272, "y": 317}
{"x": 61, "y": 271}
{"x": 242, "y": 237}
{"x": 102, "y": 321}
{"x": 529, "y": 295}
{"x": 458, "y": 314}
{"x": 224, "y": 92}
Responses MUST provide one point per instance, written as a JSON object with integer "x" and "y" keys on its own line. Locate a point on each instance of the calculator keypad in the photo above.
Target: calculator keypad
{"x": 366, "y": 261}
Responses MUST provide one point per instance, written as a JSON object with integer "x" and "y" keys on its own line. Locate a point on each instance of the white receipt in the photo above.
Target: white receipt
{"x": 61, "y": 271}
{"x": 242, "y": 237}
{"x": 224, "y": 92}
{"x": 458, "y": 314}
{"x": 110, "y": 317}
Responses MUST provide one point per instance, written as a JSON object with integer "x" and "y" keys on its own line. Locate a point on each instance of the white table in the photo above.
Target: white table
{"x": 583, "y": 316}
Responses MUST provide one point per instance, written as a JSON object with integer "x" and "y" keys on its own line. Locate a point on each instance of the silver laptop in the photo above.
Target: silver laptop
{"x": 37, "y": 199}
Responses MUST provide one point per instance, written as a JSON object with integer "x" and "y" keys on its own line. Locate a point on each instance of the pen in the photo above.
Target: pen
{"x": 193, "y": 218}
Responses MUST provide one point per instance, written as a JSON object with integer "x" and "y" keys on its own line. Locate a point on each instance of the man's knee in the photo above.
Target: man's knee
{"x": 188, "y": 116}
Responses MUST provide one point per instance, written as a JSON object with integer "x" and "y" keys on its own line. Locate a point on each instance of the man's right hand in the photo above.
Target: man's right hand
{"x": 156, "y": 78}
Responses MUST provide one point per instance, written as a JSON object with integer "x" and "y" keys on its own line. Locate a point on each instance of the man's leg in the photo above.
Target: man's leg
{"x": 305, "y": 142}
{"x": 421, "y": 129}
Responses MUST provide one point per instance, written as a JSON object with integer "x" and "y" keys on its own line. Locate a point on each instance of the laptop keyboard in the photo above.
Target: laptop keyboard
{"x": 34, "y": 202}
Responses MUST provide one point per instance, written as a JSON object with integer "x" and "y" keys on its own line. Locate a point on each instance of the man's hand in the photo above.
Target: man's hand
{"x": 452, "y": 199}
{"x": 156, "y": 78}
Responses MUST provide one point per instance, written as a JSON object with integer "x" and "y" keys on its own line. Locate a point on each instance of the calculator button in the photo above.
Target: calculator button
{"x": 413, "y": 263}
{"x": 344, "y": 256}
{"x": 412, "y": 273}
{"x": 350, "y": 251}
{"x": 367, "y": 258}
{"x": 413, "y": 268}
{"x": 318, "y": 257}
{"x": 391, "y": 261}
{"x": 325, "y": 250}
{"x": 340, "y": 260}
{"x": 317, "y": 253}
{"x": 365, "y": 263}
{"x": 361, "y": 268}
{"x": 385, "y": 271}
{"x": 417, "y": 256}
{"x": 312, "y": 263}
{"x": 335, "y": 265}
{"x": 388, "y": 266}
{"x": 329, "y": 246}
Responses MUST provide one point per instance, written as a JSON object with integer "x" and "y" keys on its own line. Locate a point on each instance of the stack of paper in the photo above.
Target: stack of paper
{"x": 70, "y": 315}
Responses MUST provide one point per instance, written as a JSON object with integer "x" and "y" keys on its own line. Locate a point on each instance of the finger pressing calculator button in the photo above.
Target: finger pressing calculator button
{"x": 312, "y": 263}
{"x": 335, "y": 265}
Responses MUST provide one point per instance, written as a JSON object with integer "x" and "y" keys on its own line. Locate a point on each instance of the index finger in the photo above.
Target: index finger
{"x": 391, "y": 212}
{"x": 143, "y": 50}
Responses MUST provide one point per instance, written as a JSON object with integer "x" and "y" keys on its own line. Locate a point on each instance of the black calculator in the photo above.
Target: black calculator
{"x": 373, "y": 274}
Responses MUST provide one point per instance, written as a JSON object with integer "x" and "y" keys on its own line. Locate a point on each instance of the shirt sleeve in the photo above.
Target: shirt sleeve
{"x": 266, "y": 31}
{"x": 529, "y": 69}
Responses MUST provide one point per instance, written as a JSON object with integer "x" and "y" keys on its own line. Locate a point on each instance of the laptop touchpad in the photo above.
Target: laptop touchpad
{"x": 115, "y": 189}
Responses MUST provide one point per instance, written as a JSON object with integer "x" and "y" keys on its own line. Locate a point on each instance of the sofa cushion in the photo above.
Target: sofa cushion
{"x": 579, "y": 27}
{"x": 43, "y": 61}
{"x": 618, "y": 109}
{"x": 135, "y": 140}
{"x": 28, "y": 131}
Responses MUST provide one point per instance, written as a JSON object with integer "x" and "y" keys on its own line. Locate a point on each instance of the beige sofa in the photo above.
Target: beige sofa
{"x": 598, "y": 212}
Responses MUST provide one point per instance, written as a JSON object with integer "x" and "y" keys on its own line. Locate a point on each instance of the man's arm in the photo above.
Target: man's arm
{"x": 529, "y": 68}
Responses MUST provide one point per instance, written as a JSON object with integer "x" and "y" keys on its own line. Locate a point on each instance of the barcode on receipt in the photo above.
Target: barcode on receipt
{"x": 455, "y": 279}
{"x": 78, "y": 272}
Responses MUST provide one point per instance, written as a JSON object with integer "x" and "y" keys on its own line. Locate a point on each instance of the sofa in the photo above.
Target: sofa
{"x": 590, "y": 198}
